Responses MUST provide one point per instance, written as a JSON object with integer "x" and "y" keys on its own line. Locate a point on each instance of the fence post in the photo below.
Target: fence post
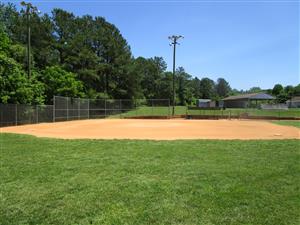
{"x": 136, "y": 109}
{"x": 152, "y": 107}
{"x": 105, "y": 108}
{"x": 79, "y": 109}
{"x": 53, "y": 114}
{"x": 169, "y": 109}
{"x": 88, "y": 108}
{"x": 67, "y": 108}
{"x": 1, "y": 115}
{"x": 16, "y": 114}
{"x": 186, "y": 111}
{"x": 37, "y": 113}
{"x": 120, "y": 107}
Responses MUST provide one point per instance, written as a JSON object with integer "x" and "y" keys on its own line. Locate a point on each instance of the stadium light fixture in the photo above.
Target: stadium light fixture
{"x": 174, "y": 39}
{"x": 29, "y": 9}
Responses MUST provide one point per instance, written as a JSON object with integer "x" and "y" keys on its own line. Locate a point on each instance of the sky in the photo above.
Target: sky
{"x": 249, "y": 43}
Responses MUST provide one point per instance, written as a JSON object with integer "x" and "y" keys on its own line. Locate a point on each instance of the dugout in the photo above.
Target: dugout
{"x": 247, "y": 100}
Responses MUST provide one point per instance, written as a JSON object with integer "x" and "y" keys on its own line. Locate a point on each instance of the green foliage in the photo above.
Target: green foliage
{"x": 165, "y": 86}
{"x": 60, "y": 82}
{"x": 184, "y": 87}
{"x": 289, "y": 90}
{"x": 282, "y": 97}
{"x": 285, "y": 93}
{"x": 234, "y": 92}
{"x": 18, "y": 53}
{"x": 92, "y": 94}
{"x": 207, "y": 87}
{"x": 5, "y": 42}
{"x": 254, "y": 90}
{"x": 99, "y": 58}
{"x": 150, "y": 73}
{"x": 15, "y": 87}
{"x": 9, "y": 18}
{"x": 96, "y": 51}
{"x": 195, "y": 86}
{"x": 38, "y": 89}
{"x": 296, "y": 91}
{"x": 222, "y": 88}
{"x": 277, "y": 89}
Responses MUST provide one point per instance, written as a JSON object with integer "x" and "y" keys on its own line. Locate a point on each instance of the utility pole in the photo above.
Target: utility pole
{"x": 29, "y": 9}
{"x": 174, "y": 40}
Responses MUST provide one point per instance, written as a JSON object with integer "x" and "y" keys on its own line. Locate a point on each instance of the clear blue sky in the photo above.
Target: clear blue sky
{"x": 249, "y": 43}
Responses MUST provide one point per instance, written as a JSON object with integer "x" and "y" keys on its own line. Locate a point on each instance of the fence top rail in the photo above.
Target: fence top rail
{"x": 118, "y": 99}
{"x": 14, "y": 104}
{"x": 121, "y": 99}
{"x": 56, "y": 96}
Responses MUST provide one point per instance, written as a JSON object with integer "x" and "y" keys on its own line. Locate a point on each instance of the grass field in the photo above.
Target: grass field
{"x": 151, "y": 111}
{"x": 182, "y": 110}
{"x": 288, "y": 123}
{"x": 51, "y": 181}
{"x": 250, "y": 112}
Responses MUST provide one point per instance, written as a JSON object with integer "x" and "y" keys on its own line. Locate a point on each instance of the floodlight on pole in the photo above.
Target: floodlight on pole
{"x": 29, "y": 9}
{"x": 174, "y": 39}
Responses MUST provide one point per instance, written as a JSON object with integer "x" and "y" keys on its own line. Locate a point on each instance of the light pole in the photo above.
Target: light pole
{"x": 174, "y": 39}
{"x": 29, "y": 9}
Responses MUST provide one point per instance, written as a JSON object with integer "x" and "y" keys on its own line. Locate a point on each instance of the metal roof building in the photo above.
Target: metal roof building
{"x": 204, "y": 103}
{"x": 244, "y": 101}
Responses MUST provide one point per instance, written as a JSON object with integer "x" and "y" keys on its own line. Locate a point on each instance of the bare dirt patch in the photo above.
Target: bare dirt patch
{"x": 158, "y": 129}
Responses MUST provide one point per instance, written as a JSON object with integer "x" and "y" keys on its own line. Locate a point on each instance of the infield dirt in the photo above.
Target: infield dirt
{"x": 158, "y": 129}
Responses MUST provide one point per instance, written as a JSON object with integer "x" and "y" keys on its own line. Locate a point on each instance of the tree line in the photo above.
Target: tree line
{"x": 88, "y": 57}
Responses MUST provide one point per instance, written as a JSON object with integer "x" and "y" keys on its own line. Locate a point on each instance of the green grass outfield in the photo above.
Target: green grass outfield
{"x": 250, "y": 112}
{"x": 152, "y": 111}
{"x": 52, "y": 181}
{"x": 182, "y": 110}
{"x": 295, "y": 123}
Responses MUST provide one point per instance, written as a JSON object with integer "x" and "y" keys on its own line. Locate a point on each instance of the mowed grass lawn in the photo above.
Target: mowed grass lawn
{"x": 251, "y": 112}
{"x": 52, "y": 181}
{"x": 151, "y": 111}
{"x": 183, "y": 110}
{"x": 294, "y": 123}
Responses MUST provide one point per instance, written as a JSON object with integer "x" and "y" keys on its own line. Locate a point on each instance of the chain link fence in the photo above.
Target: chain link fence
{"x": 243, "y": 113}
{"x": 14, "y": 114}
{"x": 66, "y": 108}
